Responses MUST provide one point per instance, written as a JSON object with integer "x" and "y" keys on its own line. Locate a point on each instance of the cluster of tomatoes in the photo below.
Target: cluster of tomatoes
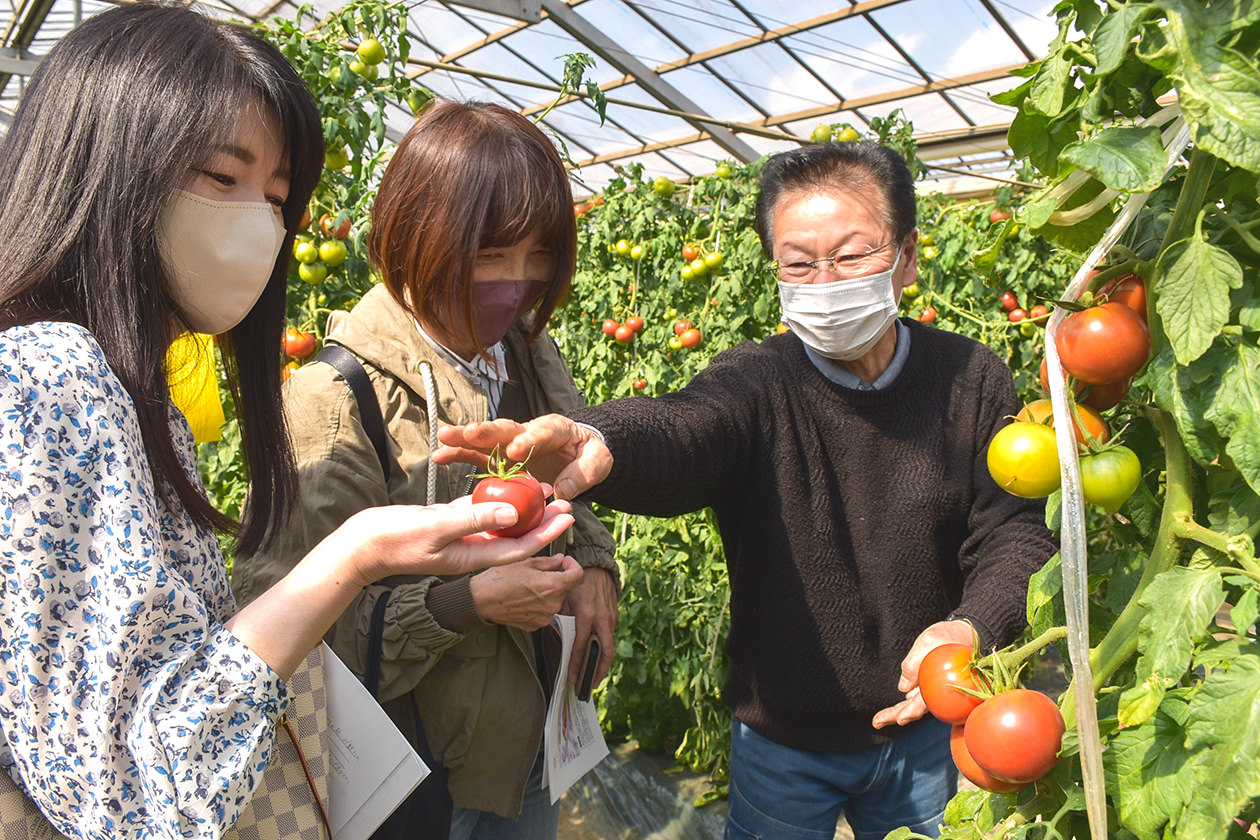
{"x": 581, "y": 208}
{"x": 326, "y": 249}
{"x": 830, "y": 134}
{"x": 624, "y": 333}
{"x": 1026, "y": 318}
{"x": 1002, "y": 740}
{"x": 1101, "y": 345}
{"x": 697, "y": 264}
{"x": 625, "y": 248}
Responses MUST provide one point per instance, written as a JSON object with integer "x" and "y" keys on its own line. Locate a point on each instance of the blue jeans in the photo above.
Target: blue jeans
{"x": 538, "y": 820}
{"x": 781, "y": 793}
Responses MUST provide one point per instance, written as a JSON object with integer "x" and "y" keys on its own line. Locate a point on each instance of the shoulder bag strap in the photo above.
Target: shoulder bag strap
{"x": 349, "y": 366}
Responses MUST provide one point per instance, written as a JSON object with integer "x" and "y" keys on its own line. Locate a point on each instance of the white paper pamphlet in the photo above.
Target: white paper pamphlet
{"x": 373, "y": 767}
{"x": 574, "y": 742}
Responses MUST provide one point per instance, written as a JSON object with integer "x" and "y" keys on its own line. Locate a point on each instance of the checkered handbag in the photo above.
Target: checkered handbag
{"x": 287, "y": 805}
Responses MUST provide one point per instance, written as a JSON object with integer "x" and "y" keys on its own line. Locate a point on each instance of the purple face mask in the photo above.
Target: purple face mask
{"x": 498, "y": 304}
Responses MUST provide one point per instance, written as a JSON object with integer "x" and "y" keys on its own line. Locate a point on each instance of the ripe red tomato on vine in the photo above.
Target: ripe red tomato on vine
{"x": 944, "y": 673}
{"x": 1103, "y": 344}
{"x": 298, "y": 344}
{"x": 972, "y": 771}
{"x": 1016, "y": 735}
{"x": 1127, "y": 289}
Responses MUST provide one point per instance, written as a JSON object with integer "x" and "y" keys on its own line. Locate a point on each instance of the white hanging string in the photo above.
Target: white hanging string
{"x": 1072, "y": 548}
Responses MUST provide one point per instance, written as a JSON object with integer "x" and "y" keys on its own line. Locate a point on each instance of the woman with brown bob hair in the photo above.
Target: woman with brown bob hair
{"x": 474, "y": 236}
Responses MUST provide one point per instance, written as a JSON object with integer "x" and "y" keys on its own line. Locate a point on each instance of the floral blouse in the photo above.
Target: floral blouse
{"x": 128, "y": 709}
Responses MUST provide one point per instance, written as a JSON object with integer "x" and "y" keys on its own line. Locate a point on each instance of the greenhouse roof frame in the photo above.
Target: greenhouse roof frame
{"x": 689, "y": 83}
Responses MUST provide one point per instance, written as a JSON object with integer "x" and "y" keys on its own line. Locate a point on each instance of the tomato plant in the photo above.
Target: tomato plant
{"x": 944, "y": 673}
{"x": 1015, "y": 736}
{"x": 1023, "y": 459}
{"x": 1101, "y": 344}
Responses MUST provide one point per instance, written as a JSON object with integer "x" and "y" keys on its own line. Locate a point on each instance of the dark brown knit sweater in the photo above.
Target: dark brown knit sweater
{"x": 851, "y": 519}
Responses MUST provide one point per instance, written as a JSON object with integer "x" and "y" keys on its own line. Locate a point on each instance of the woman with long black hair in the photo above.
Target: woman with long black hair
{"x": 150, "y": 184}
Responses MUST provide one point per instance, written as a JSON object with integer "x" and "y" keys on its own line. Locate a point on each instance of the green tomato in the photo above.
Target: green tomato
{"x": 722, "y": 171}
{"x": 675, "y": 343}
{"x": 699, "y": 268}
{"x": 305, "y": 252}
{"x": 663, "y": 187}
{"x": 848, "y": 134}
{"x": 926, "y": 238}
{"x": 820, "y": 134}
{"x": 637, "y": 252}
{"x": 714, "y": 260}
{"x": 622, "y": 247}
{"x": 1109, "y": 478}
{"x": 313, "y": 272}
{"x": 337, "y": 158}
{"x": 671, "y": 314}
{"x": 686, "y": 274}
{"x": 371, "y": 52}
{"x": 928, "y": 253}
{"x": 910, "y": 292}
{"x": 1027, "y": 329}
{"x": 332, "y": 252}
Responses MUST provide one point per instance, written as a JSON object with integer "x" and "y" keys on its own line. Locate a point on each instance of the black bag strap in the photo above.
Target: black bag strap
{"x": 376, "y": 631}
{"x": 349, "y": 366}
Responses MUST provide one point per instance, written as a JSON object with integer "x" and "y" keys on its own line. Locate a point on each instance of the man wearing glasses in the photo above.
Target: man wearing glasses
{"x": 845, "y": 462}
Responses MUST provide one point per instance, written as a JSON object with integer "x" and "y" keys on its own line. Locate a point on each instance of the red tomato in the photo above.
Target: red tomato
{"x": 1100, "y": 397}
{"x": 1015, "y": 735}
{"x": 968, "y": 767}
{"x": 522, "y": 492}
{"x": 690, "y": 252}
{"x": 640, "y": 384}
{"x": 1102, "y": 344}
{"x": 624, "y": 334}
{"x": 1089, "y": 420}
{"x": 999, "y": 215}
{"x": 580, "y": 209}
{"x": 609, "y": 326}
{"x": 635, "y": 323}
{"x": 944, "y": 671}
{"x": 340, "y": 231}
{"x": 928, "y": 315}
{"x": 1128, "y": 289}
{"x": 1016, "y": 315}
{"x": 681, "y": 327}
{"x": 298, "y": 344}
{"x": 690, "y": 338}
{"x": 1009, "y": 301}
{"x": 1039, "y": 312}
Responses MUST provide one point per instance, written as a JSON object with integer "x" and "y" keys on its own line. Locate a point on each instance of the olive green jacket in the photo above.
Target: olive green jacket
{"x": 477, "y": 691}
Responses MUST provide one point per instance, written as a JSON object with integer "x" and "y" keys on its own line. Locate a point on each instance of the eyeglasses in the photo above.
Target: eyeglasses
{"x": 844, "y": 265}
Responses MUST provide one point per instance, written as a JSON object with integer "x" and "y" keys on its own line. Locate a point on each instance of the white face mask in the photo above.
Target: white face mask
{"x": 843, "y": 319}
{"x": 219, "y": 256}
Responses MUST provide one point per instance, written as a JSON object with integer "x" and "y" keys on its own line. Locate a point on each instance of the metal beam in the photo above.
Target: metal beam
{"x": 768, "y": 36}
{"x": 22, "y": 30}
{"x": 525, "y": 10}
{"x": 17, "y": 63}
{"x": 573, "y": 23}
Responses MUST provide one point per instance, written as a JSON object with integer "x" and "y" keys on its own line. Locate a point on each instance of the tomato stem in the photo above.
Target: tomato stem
{"x": 1121, "y": 640}
{"x": 1238, "y": 548}
{"x": 1012, "y": 659}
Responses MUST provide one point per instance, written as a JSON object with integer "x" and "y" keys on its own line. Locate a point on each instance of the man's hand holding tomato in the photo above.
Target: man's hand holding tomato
{"x": 570, "y": 456}
{"x": 912, "y": 708}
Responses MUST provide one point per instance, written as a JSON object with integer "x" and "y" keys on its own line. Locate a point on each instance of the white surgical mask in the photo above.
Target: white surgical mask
{"x": 843, "y": 319}
{"x": 219, "y": 256}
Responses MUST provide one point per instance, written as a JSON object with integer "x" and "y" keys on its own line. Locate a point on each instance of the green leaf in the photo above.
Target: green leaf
{"x": 1048, "y": 91}
{"x": 1218, "y": 88}
{"x": 1245, "y": 612}
{"x": 1180, "y": 605}
{"x": 1224, "y": 735}
{"x": 1112, "y": 37}
{"x": 1234, "y": 409}
{"x": 1130, "y": 158}
{"x": 1180, "y": 391}
{"x": 1147, "y": 773}
{"x": 1191, "y": 284}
